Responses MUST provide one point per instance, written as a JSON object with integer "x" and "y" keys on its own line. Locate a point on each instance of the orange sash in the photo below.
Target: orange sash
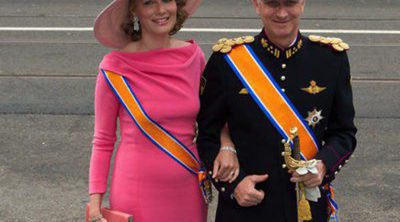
{"x": 266, "y": 93}
{"x": 276, "y": 106}
{"x": 160, "y": 137}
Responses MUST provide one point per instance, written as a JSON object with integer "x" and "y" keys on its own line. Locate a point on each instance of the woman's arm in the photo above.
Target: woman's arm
{"x": 226, "y": 164}
{"x": 106, "y": 113}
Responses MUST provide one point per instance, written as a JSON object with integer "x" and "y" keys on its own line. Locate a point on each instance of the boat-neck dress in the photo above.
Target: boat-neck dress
{"x": 145, "y": 182}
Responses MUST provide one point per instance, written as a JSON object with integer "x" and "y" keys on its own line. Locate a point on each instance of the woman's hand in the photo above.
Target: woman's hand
{"x": 94, "y": 208}
{"x": 97, "y": 218}
{"x": 226, "y": 166}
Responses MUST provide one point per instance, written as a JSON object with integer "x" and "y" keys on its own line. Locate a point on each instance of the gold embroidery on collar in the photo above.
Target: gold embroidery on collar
{"x": 276, "y": 52}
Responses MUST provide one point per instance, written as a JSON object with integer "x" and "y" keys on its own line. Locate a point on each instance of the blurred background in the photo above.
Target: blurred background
{"x": 48, "y": 66}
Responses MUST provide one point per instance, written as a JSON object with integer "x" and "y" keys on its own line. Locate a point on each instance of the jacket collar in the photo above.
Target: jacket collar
{"x": 278, "y": 52}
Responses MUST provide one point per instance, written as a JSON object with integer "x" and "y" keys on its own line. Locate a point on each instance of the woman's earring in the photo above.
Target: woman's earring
{"x": 135, "y": 23}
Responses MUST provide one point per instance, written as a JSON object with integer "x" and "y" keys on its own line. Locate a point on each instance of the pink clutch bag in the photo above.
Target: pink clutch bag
{"x": 111, "y": 215}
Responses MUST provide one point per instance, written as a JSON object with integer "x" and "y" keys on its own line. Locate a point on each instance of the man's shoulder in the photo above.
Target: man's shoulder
{"x": 217, "y": 64}
{"x": 226, "y": 45}
{"x": 328, "y": 45}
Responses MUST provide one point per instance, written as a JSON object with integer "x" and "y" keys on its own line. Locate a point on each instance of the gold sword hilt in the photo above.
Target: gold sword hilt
{"x": 293, "y": 162}
{"x": 292, "y": 157}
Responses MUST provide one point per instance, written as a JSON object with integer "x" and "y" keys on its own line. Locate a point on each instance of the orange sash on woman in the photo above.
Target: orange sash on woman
{"x": 160, "y": 137}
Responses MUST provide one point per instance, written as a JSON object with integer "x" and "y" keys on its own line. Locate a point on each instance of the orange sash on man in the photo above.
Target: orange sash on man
{"x": 266, "y": 93}
{"x": 276, "y": 106}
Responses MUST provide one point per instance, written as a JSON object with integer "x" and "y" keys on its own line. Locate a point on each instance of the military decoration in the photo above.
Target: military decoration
{"x": 243, "y": 91}
{"x": 313, "y": 88}
{"x": 314, "y": 117}
{"x": 205, "y": 186}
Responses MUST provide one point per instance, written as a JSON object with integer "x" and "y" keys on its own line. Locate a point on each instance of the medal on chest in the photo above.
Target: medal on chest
{"x": 314, "y": 117}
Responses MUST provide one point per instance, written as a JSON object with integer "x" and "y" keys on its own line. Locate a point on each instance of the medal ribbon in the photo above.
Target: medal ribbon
{"x": 159, "y": 136}
{"x": 276, "y": 105}
{"x": 332, "y": 205}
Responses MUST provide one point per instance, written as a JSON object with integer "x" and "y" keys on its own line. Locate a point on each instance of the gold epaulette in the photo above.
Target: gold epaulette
{"x": 225, "y": 45}
{"x": 335, "y": 43}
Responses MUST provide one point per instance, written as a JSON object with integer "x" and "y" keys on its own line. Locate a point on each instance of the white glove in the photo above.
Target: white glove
{"x": 312, "y": 194}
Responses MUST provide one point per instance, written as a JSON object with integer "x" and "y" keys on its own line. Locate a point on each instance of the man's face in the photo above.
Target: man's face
{"x": 280, "y": 17}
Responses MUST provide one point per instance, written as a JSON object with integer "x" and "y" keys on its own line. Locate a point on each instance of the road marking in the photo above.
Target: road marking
{"x": 340, "y": 31}
{"x": 82, "y": 75}
{"x": 47, "y": 29}
{"x": 209, "y": 30}
{"x": 94, "y": 42}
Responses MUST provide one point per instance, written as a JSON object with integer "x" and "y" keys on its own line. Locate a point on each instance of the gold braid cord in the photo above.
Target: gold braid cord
{"x": 303, "y": 206}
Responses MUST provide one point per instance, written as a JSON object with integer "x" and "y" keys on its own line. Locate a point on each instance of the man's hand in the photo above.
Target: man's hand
{"x": 245, "y": 192}
{"x": 310, "y": 180}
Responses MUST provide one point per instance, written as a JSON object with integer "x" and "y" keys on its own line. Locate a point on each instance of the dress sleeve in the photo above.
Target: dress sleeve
{"x": 105, "y": 114}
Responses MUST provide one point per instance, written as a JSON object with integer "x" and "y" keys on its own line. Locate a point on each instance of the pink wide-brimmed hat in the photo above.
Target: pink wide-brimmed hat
{"x": 108, "y": 24}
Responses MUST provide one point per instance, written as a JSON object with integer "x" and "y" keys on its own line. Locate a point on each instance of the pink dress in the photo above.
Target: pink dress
{"x": 145, "y": 181}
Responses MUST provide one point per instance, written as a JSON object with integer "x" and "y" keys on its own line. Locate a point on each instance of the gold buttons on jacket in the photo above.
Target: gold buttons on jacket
{"x": 223, "y": 189}
{"x": 283, "y": 78}
{"x": 283, "y": 66}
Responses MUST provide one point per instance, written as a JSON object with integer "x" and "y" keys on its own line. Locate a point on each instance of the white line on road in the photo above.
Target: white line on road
{"x": 344, "y": 31}
{"x": 82, "y": 75}
{"x": 47, "y": 29}
{"x": 209, "y": 30}
{"x": 50, "y": 41}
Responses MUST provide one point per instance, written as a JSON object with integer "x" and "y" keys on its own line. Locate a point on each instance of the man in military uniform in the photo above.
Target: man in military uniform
{"x": 313, "y": 74}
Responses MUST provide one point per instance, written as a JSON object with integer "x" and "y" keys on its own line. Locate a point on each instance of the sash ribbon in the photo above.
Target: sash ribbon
{"x": 158, "y": 135}
{"x": 266, "y": 92}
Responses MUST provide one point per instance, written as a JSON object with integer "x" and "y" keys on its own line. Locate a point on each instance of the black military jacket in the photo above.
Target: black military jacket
{"x": 258, "y": 143}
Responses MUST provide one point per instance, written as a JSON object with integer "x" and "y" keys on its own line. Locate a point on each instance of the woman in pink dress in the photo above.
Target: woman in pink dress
{"x": 164, "y": 74}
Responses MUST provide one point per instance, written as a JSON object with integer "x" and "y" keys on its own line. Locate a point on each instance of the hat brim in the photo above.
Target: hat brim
{"x": 191, "y": 6}
{"x": 108, "y": 24}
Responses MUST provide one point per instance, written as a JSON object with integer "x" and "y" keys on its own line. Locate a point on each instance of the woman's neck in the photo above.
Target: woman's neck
{"x": 150, "y": 42}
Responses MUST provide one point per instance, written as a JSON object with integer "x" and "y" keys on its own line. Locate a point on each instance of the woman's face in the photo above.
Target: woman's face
{"x": 157, "y": 17}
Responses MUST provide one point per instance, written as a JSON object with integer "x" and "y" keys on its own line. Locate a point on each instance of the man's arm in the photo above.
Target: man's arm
{"x": 339, "y": 138}
{"x": 212, "y": 118}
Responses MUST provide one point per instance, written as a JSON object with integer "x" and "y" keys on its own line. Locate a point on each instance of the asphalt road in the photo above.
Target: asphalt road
{"x": 46, "y": 101}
